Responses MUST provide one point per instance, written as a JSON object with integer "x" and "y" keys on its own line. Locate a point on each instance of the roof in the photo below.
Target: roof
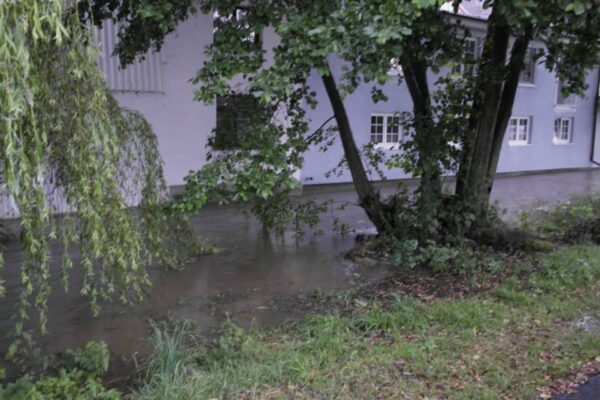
{"x": 469, "y": 8}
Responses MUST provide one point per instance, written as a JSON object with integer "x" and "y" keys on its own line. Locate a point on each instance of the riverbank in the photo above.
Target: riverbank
{"x": 534, "y": 334}
{"x": 516, "y": 340}
{"x": 243, "y": 279}
{"x": 448, "y": 323}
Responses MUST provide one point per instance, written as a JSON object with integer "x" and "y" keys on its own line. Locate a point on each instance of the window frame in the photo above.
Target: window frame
{"x": 558, "y": 140}
{"x": 235, "y": 109}
{"x": 518, "y": 142}
{"x": 566, "y": 106}
{"x": 529, "y": 62}
{"x": 385, "y": 143}
{"x": 477, "y": 42}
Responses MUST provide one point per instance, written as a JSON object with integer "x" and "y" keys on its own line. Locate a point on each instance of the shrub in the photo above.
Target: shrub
{"x": 93, "y": 358}
{"x": 455, "y": 258}
{"x": 577, "y": 220}
{"x": 74, "y": 384}
{"x": 78, "y": 378}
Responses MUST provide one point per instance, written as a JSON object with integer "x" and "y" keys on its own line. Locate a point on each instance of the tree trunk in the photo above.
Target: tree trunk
{"x": 369, "y": 199}
{"x": 498, "y": 85}
{"x": 427, "y": 144}
{"x": 509, "y": 92}
{"x": 473, "y": 172}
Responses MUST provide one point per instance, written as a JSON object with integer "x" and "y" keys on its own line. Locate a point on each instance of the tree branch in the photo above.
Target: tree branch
{"x": 318, "y": 131}
{"x": 507, "y": 100}
{"x": 368, "y": 198}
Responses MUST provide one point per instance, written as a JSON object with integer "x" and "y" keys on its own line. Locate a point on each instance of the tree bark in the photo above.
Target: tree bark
{"x": 369, "y": 199}
{"x": 427, "y": 142}
{"x": 473, "y": 172}
{"x": 495, "y": 95}
{"x": 509, "y": 92}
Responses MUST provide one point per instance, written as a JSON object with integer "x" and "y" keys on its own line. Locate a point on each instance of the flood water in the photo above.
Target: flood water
{"x": 250, "y": 271}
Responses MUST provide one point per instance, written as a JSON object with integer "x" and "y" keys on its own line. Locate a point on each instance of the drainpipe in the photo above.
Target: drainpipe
{"x": 595, "y": 121}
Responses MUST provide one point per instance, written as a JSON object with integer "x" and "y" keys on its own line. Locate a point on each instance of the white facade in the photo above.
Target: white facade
{"x": 182, "y": 124}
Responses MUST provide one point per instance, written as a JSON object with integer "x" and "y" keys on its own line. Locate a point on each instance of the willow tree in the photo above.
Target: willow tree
{"x": 67, "y": 146}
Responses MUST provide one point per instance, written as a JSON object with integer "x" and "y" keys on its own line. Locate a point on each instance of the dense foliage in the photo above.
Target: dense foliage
{"x": 68, "y": 147}
{"x": 78, "y": 377}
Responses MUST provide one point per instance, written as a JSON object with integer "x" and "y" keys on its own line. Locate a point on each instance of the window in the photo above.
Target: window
{"x": 528, "y": 74}
{"x": 471, "y": 49}
{"x": 519, "y": 131}
{"x": 563, "y": 131}
{"x": 569, "y": 100}
{"x": 234, "y": 114}
{"x": 237, "y": 18}
{"x": 393, "y": 129}
{"x": 385, "y": 129}
{"x": 472, "y": 52}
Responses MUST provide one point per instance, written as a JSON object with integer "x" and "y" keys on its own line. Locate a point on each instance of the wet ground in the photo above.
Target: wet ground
{"x": 250, "y": 271}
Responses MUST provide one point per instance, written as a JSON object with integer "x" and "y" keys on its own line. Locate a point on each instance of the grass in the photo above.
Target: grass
{"x": 507, "y": 343}
{"x": 173, "y": 345}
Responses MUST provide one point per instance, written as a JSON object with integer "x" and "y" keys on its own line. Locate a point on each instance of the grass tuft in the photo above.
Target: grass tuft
{"x": 175, "y": 351}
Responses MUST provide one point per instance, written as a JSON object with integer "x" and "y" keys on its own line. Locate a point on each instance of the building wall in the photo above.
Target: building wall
{"x": 359, "y": 106}
{"x": 536, "y": 101}
{"x": 183, "y": 125}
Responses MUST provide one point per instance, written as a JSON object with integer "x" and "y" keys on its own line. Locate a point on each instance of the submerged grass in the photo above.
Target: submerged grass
{"x": 507, "y": 343}
{"x": 175, "y": 345}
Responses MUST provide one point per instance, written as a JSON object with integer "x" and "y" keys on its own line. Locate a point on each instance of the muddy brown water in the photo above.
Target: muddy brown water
{"x": 250, "y": 271}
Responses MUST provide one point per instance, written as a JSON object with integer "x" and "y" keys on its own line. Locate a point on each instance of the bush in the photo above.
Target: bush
{"x": 74, "y": 384}
{"x": 78, "y": 378}
{"x": 577, "y": 220}
{"x": 460, "y": 258}
{"x": 93, "y": 358}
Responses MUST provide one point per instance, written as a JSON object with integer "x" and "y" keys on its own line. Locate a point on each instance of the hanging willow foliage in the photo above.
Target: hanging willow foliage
{"x": 66, "y": 145}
